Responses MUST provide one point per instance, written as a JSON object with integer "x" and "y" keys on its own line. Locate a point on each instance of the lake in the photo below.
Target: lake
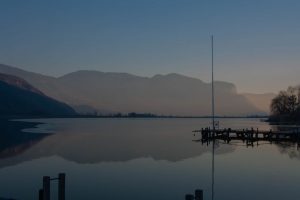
{"x": 148, "y": 159}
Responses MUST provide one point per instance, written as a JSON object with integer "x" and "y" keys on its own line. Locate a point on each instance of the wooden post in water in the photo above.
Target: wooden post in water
{"x": 226, "y": 132}
{"x": 243, "y": 135}
{"x": 198, "y": 194}
{"x": 41, "y": 194}
{"x": 46, "y": 188}
{"x": 61, "y": 186}
{"x": 189, "y": 197}
{"x": 297, "y": 138}
{"x": 256, "y": 135}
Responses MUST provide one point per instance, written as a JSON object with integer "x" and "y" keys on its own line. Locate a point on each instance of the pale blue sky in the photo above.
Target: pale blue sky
{"x": 257, "y": 42}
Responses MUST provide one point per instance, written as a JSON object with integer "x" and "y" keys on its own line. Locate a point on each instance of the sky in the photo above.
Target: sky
{"x": 257, "y": 44}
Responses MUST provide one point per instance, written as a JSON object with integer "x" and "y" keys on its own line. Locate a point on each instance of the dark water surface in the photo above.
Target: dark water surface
{"x": 148, "y": 159}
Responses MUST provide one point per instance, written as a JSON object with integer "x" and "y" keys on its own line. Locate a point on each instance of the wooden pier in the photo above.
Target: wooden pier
{"x": 44, "y": 193}
{"x": 248, "y": 135}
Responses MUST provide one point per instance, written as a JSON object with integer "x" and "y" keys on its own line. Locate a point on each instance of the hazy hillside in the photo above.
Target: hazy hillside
{"x": 17, "y": 97}
{"x": 171, "y": 94}
{"x": 261, "y": 101}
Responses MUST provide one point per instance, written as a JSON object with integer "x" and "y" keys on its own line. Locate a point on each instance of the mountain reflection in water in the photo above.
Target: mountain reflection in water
{"x": 126, "y": 158}
{"x": 112, "y": 144}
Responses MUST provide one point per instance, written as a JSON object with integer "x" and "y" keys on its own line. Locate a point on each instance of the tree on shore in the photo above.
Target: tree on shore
{"x": 286, "y": 105}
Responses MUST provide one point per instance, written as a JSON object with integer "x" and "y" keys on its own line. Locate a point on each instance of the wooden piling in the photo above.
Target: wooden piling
{"x": 249, "y": 136}
{"x": 189, "y": 197}
{"x": 46, "y": 188}
{"x": 198, "y": 194}
{"x": 243, "y": 135}
{"x": 61, "y": 186}
{"x": 256, "y": 134}
{"x": 41, "y": 194}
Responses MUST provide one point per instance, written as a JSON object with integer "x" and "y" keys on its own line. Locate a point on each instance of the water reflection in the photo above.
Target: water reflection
{"x": 291, "y": 149}
{"x": 115, "y": 144}
{"x": 13, "y": 141}
{"x": 126, "y": 159}
{"x": 96, "y": 141}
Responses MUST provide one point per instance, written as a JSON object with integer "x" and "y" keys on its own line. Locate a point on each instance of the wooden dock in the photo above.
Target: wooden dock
{"x": 248, "y": 135}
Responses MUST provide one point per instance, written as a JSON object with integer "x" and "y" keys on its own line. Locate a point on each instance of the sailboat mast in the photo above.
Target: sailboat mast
{"x": 213, "y": 118}
{"x": 212, "y": 84}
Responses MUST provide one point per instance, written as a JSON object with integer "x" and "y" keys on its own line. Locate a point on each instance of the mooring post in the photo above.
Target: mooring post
{"x": 61, "y": 186}
{"x": 189, "y": 197}
{"x": 46, "y": 188}
{"x": 41, "y": 194}
{"x": 198, "y": 194}
{"x": 243, "y": 134}
{"x": 247, "y": 135}
{"x": 228, "y": 135}
{"x": 256, "y": 135}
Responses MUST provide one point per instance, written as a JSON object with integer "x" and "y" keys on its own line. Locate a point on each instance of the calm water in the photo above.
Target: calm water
{"x": 148, "y": 159}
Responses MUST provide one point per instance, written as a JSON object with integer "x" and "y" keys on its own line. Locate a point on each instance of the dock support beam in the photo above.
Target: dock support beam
{"x": 46, "y": 188}
{"x": 198, "y": 194}
{"x": 189, "y": 197}
{"x": 61, "y": 186}
{"x": 44, "y": 194}
{"x": 41, "y": 195}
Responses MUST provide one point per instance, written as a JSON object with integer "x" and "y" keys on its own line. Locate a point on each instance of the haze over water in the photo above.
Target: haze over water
{"x": 147, "y": 159}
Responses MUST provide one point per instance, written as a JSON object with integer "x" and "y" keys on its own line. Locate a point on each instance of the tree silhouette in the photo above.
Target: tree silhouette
{"x": 285, "y": 106}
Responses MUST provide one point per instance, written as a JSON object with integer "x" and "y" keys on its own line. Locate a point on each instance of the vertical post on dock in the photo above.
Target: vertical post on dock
{"x": 198, "y": 194}
{"x": 189, "y": 197}
{"x": 270, "y": 135}
{"x": 46, "y": 188}
{"x": 297, "y": 138}
{"x": 61, "y": 186}
{"x": 41, "y": 194}
{"x": 228, "y": 135}
{"x": 243, "y": 135}
{"x": 256, "y": 135}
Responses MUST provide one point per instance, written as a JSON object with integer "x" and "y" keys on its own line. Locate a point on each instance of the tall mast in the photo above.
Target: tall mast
{"x": 212, "y": 84}
{"x": 213, "y": 119}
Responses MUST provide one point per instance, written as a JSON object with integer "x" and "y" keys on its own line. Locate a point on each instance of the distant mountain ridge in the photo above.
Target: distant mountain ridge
{"x": 18, "y": 82}
{"x": 19, "y": 98}
{"x": 171, "y": 94}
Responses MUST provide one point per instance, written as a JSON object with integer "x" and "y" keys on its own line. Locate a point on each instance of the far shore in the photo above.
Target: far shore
{"x": 126, "y": 116}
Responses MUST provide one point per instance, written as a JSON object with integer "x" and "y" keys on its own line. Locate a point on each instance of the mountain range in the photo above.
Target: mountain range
{"x": 171, "y": 94}
{"x": 19, "y": 98}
